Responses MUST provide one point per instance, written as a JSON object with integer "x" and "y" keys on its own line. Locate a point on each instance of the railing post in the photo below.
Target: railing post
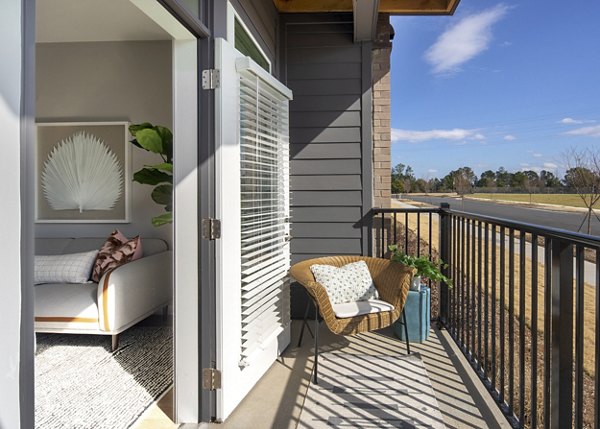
{"x": 445, "y": 237}
{"x": 561, "y": 364}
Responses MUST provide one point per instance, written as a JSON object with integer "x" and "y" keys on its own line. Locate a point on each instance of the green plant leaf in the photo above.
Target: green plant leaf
{"x": 163, "y": 194}
{"x": 134, "y": 128}
{"x": 162, "y": 219}
{"x": 150, "y": 140}
{"x": 165, "y": 166}
{"x": 167, "y": 140}
{"x": 150, "y": 176}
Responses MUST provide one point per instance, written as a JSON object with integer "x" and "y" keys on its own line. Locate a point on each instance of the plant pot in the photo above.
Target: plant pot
{"x": 416, "y": 283}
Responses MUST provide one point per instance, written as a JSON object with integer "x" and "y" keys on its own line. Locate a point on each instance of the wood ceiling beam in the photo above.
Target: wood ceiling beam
{"x": 394, "y": 7}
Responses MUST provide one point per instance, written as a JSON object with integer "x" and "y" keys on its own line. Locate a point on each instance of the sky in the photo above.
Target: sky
{"x": 511, "y": 84}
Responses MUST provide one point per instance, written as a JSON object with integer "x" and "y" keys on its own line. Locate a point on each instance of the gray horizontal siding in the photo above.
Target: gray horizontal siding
{"x": 325, "y": 70}
{"x": 325, "y": 151}
{"x": 325, "y": 198}
{"x": 325, "y": 86}
{"x": 325, "y": 135}
{"x": 325, "y": 103}
{"x": 325, "y": 230}
{"x": 325, "y": 214}
{"x": 324, "y": 166}
{"x": 325, "y": 119}
{"x": 326, "y": 182}
{"x": 323, "y": 55}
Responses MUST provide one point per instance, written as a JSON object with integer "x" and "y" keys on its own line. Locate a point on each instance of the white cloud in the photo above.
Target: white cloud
{"x": 524, "y": 164}
{"x": 509, "y": 137}
{"x": 550, "y": 166}
{"x": 463, "y": 41}
{"x": 593, "y": 131}
{"x": 432, "y": 170}
{"x": 537, "y": 155}
{"x": 571, "y": 121}
{"x": 455, "y": 134}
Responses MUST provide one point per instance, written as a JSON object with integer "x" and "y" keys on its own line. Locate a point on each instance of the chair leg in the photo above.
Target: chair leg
{"x": 115, "y": 342}
{"x": 406, "y": 331}
{"x": 304, "y": 321}
{"x": 316, "y": 366}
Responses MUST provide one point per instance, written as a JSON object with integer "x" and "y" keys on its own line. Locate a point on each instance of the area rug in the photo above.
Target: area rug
{"x": 81, "y": 384}
{"x": 359, "y": 391}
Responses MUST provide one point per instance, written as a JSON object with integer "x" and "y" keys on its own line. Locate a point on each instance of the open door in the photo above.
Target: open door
{"x": 252, "y": 202}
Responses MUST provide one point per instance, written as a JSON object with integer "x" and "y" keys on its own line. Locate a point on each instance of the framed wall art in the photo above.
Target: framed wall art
{"x": 83, "y": 172}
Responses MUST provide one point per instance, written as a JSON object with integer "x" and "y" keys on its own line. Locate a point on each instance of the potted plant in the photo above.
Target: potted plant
{"x": 159, "y": 140}
{"x": 430, "y": 269}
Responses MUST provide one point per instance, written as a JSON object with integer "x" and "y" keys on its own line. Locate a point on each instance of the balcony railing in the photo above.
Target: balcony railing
{"x": 521, "y": 307}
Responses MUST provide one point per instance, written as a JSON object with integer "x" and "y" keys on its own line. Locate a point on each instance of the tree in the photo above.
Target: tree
{"x": 583, "y": 176}
{"x": 402, "y": 179}
{"x": 502, "y": 178}
{"x": 531, "y": 183}
{"x": 487, "y": 179}
{"x": 549, "y": 179}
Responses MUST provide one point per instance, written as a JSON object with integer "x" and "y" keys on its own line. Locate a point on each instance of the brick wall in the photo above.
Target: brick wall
{"x": 382, "y": 139}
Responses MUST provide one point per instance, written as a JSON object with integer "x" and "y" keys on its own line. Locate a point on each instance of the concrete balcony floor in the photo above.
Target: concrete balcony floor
{"x": 277, "y": 400}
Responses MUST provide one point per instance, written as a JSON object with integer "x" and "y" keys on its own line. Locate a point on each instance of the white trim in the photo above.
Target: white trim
{"x": 186, "y": 254}
{"x": 248, "y": 64}
{"x": 164, "y": 19}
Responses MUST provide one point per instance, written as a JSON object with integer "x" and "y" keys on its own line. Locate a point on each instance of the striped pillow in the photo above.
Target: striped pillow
{"x": 116, "y": 251}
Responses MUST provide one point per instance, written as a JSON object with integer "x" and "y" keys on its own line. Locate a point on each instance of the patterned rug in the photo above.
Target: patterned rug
{"x": 81, "y": 384}
{"x": 359, "y": 391}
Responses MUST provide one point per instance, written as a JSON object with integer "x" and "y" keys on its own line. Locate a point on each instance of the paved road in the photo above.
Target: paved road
{"x": 556, "y": 219}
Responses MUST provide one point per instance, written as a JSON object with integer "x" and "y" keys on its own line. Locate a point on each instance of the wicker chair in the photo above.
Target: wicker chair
{"x": 391, "y": 279}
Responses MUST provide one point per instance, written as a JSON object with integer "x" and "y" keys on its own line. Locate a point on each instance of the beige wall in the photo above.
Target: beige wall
{"x": 108, "y": 81}
{"x": 382, "y": 138}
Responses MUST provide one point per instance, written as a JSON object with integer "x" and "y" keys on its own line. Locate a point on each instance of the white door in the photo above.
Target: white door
{"x": 252, "y": 202}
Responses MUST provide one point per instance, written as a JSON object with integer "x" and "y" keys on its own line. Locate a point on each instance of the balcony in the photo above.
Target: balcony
{"x": 518, "y": 336}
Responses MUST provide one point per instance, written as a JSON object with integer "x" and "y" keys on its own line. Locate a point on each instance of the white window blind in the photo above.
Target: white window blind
{"x": 265, "y": 253}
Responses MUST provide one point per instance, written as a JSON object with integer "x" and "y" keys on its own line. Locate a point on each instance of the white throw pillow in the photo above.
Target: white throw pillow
{"x": 70, "y": 268}
{"x": 349, "y": 283}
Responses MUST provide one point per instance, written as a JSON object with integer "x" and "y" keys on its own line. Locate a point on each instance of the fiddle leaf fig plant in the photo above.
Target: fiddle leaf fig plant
{"x": 431, "y": 269}
{"x": 156, "y": 139}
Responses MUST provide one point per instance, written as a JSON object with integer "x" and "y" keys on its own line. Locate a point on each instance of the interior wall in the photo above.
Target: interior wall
{"x": 108, "y": 81}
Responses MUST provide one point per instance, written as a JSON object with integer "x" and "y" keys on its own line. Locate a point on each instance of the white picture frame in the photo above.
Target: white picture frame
{"x": 115, "y": 138}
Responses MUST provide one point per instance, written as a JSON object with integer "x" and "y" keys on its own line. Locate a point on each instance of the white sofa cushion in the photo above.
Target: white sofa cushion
{"x": 69, "y": 268}
{"x": 349, "y": 283}
{"x": 66, "y": 305}
{"x": 357, "y": 308}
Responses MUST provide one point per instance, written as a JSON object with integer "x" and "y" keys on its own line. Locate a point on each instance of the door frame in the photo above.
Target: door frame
{"x": 194, "y": 260}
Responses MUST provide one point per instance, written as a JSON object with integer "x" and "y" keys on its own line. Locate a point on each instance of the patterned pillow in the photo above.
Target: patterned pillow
{"x": 116, "y": 251}
{"x": 349, "y": 283}
{"x": 69, "y": 268}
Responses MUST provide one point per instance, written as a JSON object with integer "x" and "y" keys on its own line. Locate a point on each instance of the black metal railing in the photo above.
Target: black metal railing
{"x": 519, "y": 294}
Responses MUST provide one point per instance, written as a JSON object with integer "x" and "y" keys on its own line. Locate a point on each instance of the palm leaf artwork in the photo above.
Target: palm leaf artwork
{"x": 82, "y": 173}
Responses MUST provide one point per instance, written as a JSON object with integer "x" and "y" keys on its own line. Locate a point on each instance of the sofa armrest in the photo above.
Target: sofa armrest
{"x": 134, "y": 290}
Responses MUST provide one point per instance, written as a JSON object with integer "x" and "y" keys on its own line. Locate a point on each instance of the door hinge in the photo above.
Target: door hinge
{"x": 211, "y": 79}
{"x": 211, "y": 379}
{"x": 211, "y": 228}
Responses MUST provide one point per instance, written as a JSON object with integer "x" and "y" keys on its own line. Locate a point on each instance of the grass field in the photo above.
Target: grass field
{"x": 570, "y": 200}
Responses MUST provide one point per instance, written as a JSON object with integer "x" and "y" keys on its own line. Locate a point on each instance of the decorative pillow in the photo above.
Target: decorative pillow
{"x": 116, "y": 251}
{"x": 69, "y": 268}
{"x": 349, "y": 283}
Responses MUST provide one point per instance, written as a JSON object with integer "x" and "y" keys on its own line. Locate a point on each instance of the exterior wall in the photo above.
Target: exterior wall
{"x": 329, "y": 144}
{"x": 382, "y": 139}
{"x": 108, "y": 81}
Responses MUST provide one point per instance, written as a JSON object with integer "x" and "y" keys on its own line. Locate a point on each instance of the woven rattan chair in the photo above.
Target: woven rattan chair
{"x": 391, "y": 279}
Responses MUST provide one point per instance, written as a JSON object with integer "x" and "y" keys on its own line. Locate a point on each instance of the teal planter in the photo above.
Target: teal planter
{"x": 418, "y": 316}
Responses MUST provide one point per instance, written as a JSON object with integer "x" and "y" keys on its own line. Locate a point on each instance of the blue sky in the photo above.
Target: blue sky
{"x": 512, "y": 84}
